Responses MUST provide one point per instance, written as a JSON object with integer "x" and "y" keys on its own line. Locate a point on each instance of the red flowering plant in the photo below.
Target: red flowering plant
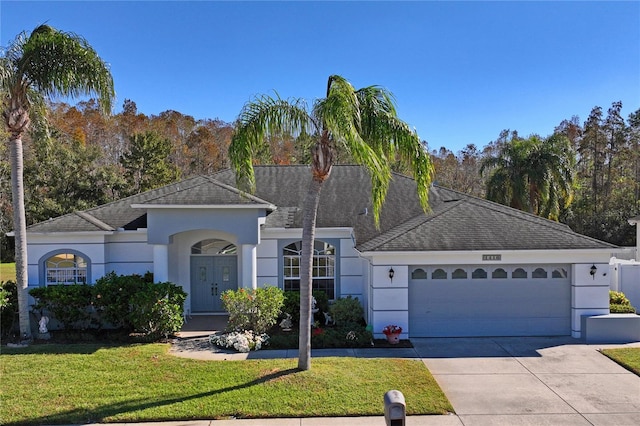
{"x": 392, "y": 329}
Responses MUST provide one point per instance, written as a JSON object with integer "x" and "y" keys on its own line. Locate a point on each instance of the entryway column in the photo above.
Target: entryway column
{"x": 160, "y": 263}
{"x": 248, "y": 275}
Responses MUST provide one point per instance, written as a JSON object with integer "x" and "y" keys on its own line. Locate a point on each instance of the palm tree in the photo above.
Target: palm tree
{"x": 364, "y": 122}
{"x": 46, "y": 63}
{"x": 534, "y": 174}
{"x": 552, "y": 175}
{"x": 507, "y": 181}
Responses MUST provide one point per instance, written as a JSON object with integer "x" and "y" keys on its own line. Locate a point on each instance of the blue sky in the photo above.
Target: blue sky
{"x": 460, "y": 71}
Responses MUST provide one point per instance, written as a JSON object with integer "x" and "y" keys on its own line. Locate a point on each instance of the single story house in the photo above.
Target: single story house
{"x": 469, "y": 267}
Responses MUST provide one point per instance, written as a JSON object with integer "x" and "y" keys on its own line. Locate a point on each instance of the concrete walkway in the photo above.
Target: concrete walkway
{"x": 493, "y": 381}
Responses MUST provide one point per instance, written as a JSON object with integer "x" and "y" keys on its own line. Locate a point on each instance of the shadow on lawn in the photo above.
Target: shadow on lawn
{"x": 57, "y": 349}
{"x": 100, "y": 414}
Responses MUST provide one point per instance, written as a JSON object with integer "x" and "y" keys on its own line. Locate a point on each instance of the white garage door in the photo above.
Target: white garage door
{"x": 458, "y": 301}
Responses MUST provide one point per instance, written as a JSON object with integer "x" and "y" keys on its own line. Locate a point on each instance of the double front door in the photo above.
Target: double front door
{"x": 210, "y": 277}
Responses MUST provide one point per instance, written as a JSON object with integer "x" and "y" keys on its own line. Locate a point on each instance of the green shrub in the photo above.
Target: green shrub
{"x": 292, "y": 305}
{"x": 618, "y": 298}
{"x": 355, "y": 336}
{"x": 112, "y": 298}
{"x": 253, "y": 310}
{"x": 347, "y": 312}
{"x": 130, "y": 302}
{"x": 68, "y": 304}
{"x": 616, "y": 308}
{"x": 619, "y": 304}
{"x": 156, "y": 310}
{"x": 8, "y": 306}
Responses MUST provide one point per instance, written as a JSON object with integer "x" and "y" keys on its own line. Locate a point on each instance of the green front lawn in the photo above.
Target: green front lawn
{"x": 629, "y": 358}
{"x": 47, "y": 384}
{"x": 7, "y": 271}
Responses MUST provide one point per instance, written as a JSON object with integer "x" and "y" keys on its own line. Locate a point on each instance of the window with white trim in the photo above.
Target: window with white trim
{"x": 323, "y": 269}
{"x": 66, "y": 268}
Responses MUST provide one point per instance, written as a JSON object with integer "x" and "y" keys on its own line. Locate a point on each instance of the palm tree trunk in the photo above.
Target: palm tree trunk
{"x": 310, "y": 209}
{"x": 20, "y": 231}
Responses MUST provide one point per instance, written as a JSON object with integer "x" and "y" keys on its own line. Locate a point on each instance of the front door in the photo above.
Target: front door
{"x": 210, "y": 277}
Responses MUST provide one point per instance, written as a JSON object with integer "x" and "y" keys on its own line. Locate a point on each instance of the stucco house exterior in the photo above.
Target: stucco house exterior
{"x": 469, "y": 267}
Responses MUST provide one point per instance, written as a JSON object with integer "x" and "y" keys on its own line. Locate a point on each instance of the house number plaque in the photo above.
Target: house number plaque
{"x": 491, "y": 257}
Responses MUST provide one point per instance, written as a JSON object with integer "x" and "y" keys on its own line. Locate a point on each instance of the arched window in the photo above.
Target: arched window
{"x": 499, "y": 274}
{"x": 459, "y": 274}
{"x": 323, "y": 270}
{"x": 65, "y": 268}
{"x": 213, "y": 246}
{"x": 539, "y": 273}
{"x": 439, "y": 274}
{"x": 559, "y": 273}
{"x": 478, "y": 274}
{"x": 519, "y": 273}
{"x": 419, "y": 274}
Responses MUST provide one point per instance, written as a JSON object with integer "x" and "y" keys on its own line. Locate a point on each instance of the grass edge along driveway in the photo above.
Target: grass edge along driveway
{"x": 629, "y": 358}
{"x": 49, "y": 384}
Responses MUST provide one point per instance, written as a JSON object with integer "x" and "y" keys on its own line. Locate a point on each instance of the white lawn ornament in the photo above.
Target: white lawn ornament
{"x": 286, "y": 323}
{"x": 327, "y": 319}
{"x": 43, "y": 325}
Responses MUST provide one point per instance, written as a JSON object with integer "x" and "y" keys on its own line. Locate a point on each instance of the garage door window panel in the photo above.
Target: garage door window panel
{"x": 419, "y": 274}
{"x": 539, "y": 273}
{"x": 439, "y": 274}
{"x": 479, "y": 274}
{"x": 559, "y": 273}
{"x": 459, "y": 274}
{"x": 499, "y": 273}
{"x": 519, "y": 273}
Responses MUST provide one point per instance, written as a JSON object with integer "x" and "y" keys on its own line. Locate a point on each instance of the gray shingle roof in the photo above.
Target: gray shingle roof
{"x": 205, "y": 191}
{"x": 456, "y": 221}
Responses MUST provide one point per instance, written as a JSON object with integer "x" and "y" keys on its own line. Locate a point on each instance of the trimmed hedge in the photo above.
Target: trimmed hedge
{"x": 8, "y": 306}
{"x": 129, "y": 302}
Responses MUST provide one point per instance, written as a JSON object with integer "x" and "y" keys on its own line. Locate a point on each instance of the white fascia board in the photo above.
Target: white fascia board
{"x": 297, "y": 233}
{"x": 204, "y": 206}
{"x": 506, "y": 257}
{"x": 78, "y": 233}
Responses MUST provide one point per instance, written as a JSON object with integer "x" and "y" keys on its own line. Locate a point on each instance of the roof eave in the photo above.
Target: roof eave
{"x": 204, "y": 206}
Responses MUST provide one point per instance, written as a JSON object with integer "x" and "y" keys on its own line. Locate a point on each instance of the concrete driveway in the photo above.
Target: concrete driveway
{"x": 531, "y": 381}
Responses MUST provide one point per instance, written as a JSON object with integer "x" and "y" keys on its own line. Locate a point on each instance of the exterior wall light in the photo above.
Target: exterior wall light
{"x": 391, "y": 274}
{"x": 593, "y": 271}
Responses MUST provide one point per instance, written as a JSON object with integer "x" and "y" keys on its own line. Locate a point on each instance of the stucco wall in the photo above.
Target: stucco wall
{"x": 589, "y": 293}
{"x": 128, "y": 253}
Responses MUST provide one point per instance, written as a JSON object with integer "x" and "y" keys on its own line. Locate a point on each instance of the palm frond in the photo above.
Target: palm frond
{"x": 260, "y": 119}
{"x": 60, "y": 63}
